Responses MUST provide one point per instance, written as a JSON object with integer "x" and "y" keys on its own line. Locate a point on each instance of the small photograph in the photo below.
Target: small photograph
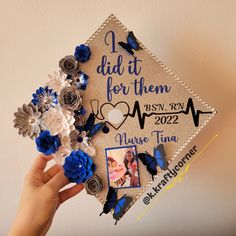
{"x": 122, "y": 166}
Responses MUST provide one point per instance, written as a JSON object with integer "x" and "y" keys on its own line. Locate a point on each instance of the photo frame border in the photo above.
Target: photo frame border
{"x": 120, "y": 147}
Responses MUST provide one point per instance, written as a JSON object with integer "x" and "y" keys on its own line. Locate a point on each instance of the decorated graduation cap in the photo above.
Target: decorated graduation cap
{"x": 109, "y": 97}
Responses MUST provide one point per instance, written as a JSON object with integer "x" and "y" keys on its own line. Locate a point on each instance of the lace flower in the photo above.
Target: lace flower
{"x": 69, "y": 115}
{"x": 56, "y": 121}
{"x": 57, "y": 81}
{"x": 27, "y": 120}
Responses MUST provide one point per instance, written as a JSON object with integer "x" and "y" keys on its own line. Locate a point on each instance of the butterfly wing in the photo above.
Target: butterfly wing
{"x": 160, "y": 157}
{"x": 132, "y": 41}
{"x": 127, "y": 47}
{"x": 149, "y": 162}
{"x": 94, "y": 129}
{"x": 112, "y": 195}
{"x": 89, "y": 122}
{"x": 110, "y": 201}
{"x": 107, "y": 207}
{"x": 121, "y": 206}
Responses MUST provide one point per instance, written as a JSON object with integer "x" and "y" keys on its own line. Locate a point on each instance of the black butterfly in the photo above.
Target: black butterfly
{"x": 151, "y": 162}
{"x": 119, "y": 205}
{"x": 89, "y": 127}
{"x": 131, "y": 43}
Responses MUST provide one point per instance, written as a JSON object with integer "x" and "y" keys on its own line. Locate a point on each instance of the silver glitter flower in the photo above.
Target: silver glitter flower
{"x": 69, "y": 65}
{"x": 27, "y": 120}
{"x": 70, "y": 98}
{"x": 94, "y": 185}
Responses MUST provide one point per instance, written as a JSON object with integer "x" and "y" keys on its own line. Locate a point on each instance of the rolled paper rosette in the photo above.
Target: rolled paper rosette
{"x": 94, "y": 185}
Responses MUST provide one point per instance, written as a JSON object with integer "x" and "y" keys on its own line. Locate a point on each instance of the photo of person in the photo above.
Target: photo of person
{"x": 122, "y": 167}
{"x": 130, "y": 163}
{"x": 116, "y": 171}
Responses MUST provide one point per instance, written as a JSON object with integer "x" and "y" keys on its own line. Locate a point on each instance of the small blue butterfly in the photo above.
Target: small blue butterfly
{"x": 131, "y": 44}
{"x": 151, "y": 162}
{"x": 119, "y": 205}
{"x": 90, "y": 127}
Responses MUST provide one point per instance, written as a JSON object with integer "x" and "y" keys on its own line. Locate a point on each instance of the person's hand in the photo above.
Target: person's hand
{"x": 40, "y": 198}
{"x": 133, "y": 168}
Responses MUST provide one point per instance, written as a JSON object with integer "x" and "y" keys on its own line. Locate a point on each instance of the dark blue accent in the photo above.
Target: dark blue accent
{"x": 113, "y": 42}
{"x": 80, "y": 112}
{"x": 151, "y": 162}
{"x": 119, "y": 205}
{"x": 131, "y": 44}
{"x": 82, "y": 53}
{"x": 132, "y": 41}
{"x": 78, "y": 167}
{"x": 82, "y": 83}
{"x": 69, "y": 77}
{"x": 89, "y": 123}
{"x": 95, "y": 129}
{"x": 159, "y": 154}
{"x": 44, "y": 92}
{"x": 46, "y": 143}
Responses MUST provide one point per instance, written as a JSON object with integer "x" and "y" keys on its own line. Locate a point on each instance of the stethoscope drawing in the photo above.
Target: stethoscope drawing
{"x": 114, "y": 117}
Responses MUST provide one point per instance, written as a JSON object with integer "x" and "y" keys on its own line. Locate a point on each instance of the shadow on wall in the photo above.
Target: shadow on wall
{"x": 209, "y": 66}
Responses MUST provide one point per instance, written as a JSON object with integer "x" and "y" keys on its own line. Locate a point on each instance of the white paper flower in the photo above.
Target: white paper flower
{"x": 57, "y": 81}
{"x": 56, "y": 121}
{"x": 69, "y": 115}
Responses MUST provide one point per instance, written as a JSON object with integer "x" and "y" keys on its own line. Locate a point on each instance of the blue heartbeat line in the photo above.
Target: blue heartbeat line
{"x": 189, "y": 108}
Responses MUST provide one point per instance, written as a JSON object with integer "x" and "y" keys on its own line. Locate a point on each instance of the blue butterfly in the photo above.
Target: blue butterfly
{"x": 89, "y": 127}
{"x": 131, "y": 44}
{"x": 119, "y": 205}
{"x": 151, "y": 162}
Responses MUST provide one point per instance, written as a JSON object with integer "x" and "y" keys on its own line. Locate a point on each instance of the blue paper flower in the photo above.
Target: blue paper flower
{"x": 46, "y": 143}
{"x": 81, "y": 80}
{"x": 82, "y": 53}
{"x": 78, "y": 167}
{"x": 44, "y": 98}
